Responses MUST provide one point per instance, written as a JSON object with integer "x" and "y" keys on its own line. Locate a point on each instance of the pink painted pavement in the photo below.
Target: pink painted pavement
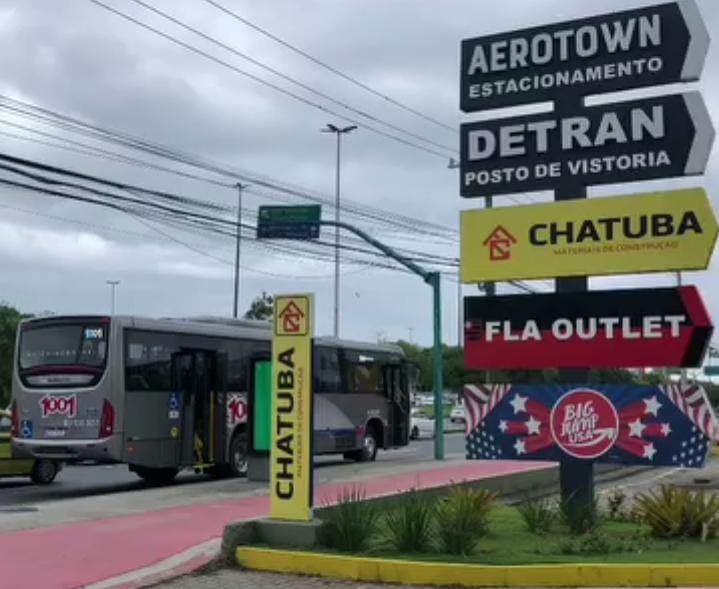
{"x": 77, "y": 554}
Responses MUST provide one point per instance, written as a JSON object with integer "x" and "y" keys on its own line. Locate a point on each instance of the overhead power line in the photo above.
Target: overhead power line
{"x": 66, "y": 122}
{"x": 451, "y": 150}
{"x": 334, "y": 70}
{"x": 266, "y": 83}
{"x": 197, "y": 218}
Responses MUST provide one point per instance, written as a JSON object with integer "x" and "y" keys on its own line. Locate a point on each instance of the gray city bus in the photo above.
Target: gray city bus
{"x": 165, "y": 394}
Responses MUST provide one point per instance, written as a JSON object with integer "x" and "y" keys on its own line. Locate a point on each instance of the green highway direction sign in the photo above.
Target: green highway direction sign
{"x": 711, "y": 370}
{"x": 289, "y": 222}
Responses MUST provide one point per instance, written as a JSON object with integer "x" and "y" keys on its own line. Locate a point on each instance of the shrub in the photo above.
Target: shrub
{"x": 463, "y": 518}
{"x": 615, "y": 504}
{"x": 598, "y": 543}
{"x": 538, "y": 514}
{"x": 410, "y": 525}
{"x": 579, "y": 516}
{"x": 674, "y": 513}
{"x": 351, "y": 524}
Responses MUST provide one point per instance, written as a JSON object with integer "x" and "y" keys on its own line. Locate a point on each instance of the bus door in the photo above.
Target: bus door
{"x": 200, "y": 378}
{"x": 399, "y": 405}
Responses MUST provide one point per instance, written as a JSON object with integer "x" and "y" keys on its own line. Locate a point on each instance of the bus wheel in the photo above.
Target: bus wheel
{"x": 368, "y": 451}
{"x": 156, "y": 476}
{"x": 238, "y": 455}
{"x": 44, "y": 472}
{"x": 414, "y": 435}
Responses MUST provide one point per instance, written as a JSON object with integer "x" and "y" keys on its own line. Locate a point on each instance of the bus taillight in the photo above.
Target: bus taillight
{"x": 107, "y": 421}
{"x": 15, "y": 417}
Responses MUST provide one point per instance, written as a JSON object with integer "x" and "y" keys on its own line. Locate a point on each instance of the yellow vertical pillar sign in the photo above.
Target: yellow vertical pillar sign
{"x": 291, "y": 450}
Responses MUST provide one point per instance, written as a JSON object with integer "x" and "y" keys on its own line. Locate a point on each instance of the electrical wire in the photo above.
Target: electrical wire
{"x": 46, "y": 116}
{"x": 265, "y": 83}
{"x": 290, "y": 79}
{"x": 326, "y": 66}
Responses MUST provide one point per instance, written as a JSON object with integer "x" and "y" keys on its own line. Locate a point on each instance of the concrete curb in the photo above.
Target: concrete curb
{"x": 452, "y": 574}
{"x": 180, "y": 564}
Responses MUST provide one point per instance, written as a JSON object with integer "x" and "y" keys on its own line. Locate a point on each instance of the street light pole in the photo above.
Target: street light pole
{"x": 238, "y": 238}
{"x": 338, "y": 131}
{"x": 113, "y": 284}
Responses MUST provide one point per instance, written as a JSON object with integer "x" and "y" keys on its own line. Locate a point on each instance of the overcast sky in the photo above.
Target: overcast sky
{"x": 74, "y": 57}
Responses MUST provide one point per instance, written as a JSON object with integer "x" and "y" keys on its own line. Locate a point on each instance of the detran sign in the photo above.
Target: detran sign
{"x": 641, "y": 139}
{"x": 662, "y": 231}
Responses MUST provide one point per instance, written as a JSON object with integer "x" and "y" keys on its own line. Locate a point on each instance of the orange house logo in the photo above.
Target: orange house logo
{"x": 292, "y": 317}
{"x": 500, "y": 243}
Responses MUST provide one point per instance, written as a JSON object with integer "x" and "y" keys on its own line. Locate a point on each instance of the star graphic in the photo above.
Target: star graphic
{"x": 519, "y": 403}
{"x": 652, "y": 406}
{"x": 519, "y": 447}
{"x": 533, "y": 425}
{"x": 666, "y": 430}
{"x": 636, "y": 428}
{"x": 649, "y": 451}
{"x": 503, "y": 426}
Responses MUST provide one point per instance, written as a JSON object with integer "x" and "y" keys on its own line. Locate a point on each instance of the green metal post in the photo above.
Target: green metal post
{"x": 434, "y": 280}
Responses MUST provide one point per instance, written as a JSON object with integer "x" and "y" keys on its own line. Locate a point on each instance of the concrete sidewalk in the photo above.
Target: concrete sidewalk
{"x": 134, "y": 550}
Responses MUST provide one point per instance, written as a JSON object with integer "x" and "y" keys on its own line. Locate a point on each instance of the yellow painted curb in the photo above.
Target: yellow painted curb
{"x": 445, "y": 574}
{"x": 715, "y": 450}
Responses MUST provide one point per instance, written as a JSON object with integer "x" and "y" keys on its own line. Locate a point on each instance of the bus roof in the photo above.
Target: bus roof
{"x": 216, "y": 326}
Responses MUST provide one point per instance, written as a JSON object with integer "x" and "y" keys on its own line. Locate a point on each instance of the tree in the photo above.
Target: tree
{"x": 261, "y": 307}
{"x": 9, "y": 319}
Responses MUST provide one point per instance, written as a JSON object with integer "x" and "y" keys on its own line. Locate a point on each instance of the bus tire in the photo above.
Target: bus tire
{"x": 238, "y": 455}
{"x": 414, "y": 434}
{"x": 44, "y": 472}
{"x": 156, "y": 476}
{"x": 368, "y": 451}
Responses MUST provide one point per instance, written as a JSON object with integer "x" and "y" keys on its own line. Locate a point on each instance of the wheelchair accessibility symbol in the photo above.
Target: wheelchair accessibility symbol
{"x": 26, "y": 428}
{"x": 174, "y": 401}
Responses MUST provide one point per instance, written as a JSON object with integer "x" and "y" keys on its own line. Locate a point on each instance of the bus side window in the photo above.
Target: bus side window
{"x": 327, "y": 371}
{"x": 148, "y": 364}
{"x": 366, "y": 377}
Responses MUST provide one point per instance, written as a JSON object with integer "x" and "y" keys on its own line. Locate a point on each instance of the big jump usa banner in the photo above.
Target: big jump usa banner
{"x": 628, "y": 424}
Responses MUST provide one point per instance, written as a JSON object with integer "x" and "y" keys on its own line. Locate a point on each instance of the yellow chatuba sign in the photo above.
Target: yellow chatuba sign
{"x": 291, "y": 450}
{"x": 653, "y": 232}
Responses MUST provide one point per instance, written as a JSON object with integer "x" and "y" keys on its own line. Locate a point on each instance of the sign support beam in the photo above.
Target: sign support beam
{"x": 433, "y": 279}
{"x": 576, "y": 477}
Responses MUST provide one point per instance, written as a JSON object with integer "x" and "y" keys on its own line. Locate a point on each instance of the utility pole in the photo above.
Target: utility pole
{"x": 238, "y": 239}
{"x": 338, "y": 131}
{"x": 113, "y": 284}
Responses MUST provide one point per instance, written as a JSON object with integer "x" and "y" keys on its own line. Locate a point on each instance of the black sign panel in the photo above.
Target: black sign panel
{"x": 599, "y": 329}
{"x": 648, "y": 46}
{"x": 620, "y": 142}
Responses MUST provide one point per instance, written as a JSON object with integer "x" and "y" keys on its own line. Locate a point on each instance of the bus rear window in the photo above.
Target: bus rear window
{"x": 63, "y": 345}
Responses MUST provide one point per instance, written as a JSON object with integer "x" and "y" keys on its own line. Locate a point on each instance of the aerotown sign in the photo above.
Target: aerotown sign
{"x": 662, "y": 231}
{"x": 618, "y": 51}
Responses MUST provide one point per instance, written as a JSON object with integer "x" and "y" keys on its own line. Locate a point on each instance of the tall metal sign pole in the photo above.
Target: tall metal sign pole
{"x": 576, "y": 146}
{"x": 338, "y": 131}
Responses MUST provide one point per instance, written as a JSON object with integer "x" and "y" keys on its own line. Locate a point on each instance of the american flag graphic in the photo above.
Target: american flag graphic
{"x": 661, "y": 426}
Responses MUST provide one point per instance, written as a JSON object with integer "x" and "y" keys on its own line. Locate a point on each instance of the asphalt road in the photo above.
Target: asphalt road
{"x": 87, "y": 481}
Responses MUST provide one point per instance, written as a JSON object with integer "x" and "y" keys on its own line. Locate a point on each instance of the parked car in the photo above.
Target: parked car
{"x": 42, "y": 472}
{"x": 457, "y": 414}
{"x": 420, "y": 426}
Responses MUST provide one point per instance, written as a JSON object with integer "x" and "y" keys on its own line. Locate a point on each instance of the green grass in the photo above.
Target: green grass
{"x": 428, "y": 411}
{"x": 508, "y": 542}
